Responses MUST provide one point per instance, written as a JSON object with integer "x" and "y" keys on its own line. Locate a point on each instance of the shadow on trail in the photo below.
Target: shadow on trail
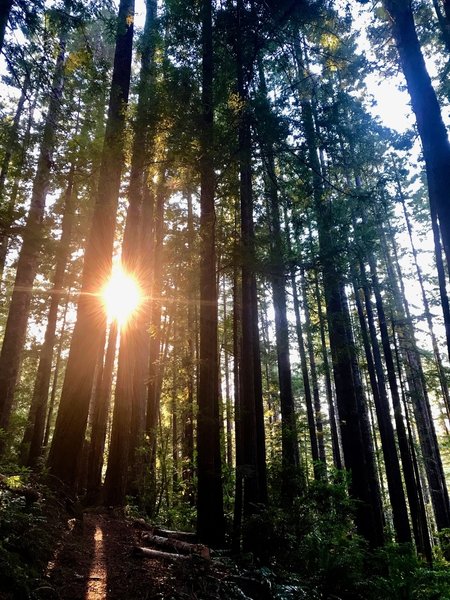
{"x": 95, "y": 561}
{"x": 126, "y": 575}
{"x": 71, "y": 566}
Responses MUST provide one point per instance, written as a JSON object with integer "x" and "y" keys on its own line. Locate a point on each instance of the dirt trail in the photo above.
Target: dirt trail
{"x": 94, "y": 562}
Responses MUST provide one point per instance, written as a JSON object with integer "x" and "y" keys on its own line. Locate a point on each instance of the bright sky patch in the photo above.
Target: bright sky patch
{"x": 121, "y": 296}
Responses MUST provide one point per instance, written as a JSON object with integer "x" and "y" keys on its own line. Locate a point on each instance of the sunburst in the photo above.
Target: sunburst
{"x": 121, "y": 296}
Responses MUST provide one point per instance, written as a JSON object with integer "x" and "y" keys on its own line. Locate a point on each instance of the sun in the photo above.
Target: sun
{"x": 121, "y": 296}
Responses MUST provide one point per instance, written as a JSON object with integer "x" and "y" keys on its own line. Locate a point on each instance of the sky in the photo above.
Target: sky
{"x": 392, "y": 104}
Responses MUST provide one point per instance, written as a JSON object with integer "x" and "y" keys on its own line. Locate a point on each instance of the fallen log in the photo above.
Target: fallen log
{"x": 158, "y": 554}
{"x": 177, "y": 545}
{"x": 184, "y": 536}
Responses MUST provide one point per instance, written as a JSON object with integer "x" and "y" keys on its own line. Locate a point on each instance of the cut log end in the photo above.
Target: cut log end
{"x": 178, "y": 546}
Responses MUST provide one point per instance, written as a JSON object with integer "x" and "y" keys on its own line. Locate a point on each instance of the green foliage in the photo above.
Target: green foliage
{"x": 314, "y": 552}
{"x": 25, "y": 538}
{"x": 398, "y": 574}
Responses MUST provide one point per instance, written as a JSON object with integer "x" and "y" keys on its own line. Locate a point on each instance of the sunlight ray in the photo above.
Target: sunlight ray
{"x": 121, "y": 296}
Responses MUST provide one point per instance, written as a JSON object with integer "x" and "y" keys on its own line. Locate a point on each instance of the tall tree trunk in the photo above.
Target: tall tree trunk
{"x": 74, "y": 406}
{"x": 51, "y": 405}
{"x": 278, "y": 280}
{"x": 34, "y": 433}
{"x": 393, "y": 472}
{"x": 441, "y": 278}
{"x": 418, "y": 518}
{"x": 259, "y": 406}
{"x": 174, "y": 418}
{"x": 419, "y": 395}
{"x": 226, "y": 368}
{"x": 100, "y": 419}
{"x": 5, "y": 9}
{"x": 419, "y": 471}
{"x": 312, "y": 366}
{"x": 306, "y": 383}
{"x": 334, "y": 420}
{"x": 432, "y": 131}
{"x": 116, "y": 478}
{"x": 356, "y": 439}
{"x": 155, "y": 354}
{"x": 210, "y": 517}
{"x": 237, "y": 347}
{"x": 251, "y": 409}
{"x": 130, "y": 396}
{"x": 363, "y": 412}
{"x": 136, "y": 259}
{"x": 426, "y": 306}
{"x": 16, "y": 325}
{"x": 188, "y": 430}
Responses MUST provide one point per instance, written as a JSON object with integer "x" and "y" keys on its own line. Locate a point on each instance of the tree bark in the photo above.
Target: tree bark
{"x": 34, "y": 433}
{"x": 16, "y": 325}
{"x": 5, "y": 9}
{"x": 432, "y": 131}
{"x": 129, "y": 404}
{"x": 210, "y": 516}
{"x": 393, "y": 473}
{"x": 418, "y": 518}
{"x": 100, "y": 419}
{"x": 74, "y": 406}
{"x": 356, "y": 439}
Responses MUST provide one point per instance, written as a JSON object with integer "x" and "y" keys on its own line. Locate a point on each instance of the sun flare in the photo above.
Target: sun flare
{"x": 121, "y": 296}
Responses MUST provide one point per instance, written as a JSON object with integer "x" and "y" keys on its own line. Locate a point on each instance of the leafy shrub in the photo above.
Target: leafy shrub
{"x": 314, "y": 547}
{"x": 398, "y": 574}
{"x": 25, "y": 538}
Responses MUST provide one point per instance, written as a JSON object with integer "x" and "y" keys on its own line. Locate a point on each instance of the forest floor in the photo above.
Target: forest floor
{"x": 53, "y": 549}
{"x": 94, "y": 560}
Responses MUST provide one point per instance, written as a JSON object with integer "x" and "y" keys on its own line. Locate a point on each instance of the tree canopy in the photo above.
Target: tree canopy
{"x": 224, "y": 278}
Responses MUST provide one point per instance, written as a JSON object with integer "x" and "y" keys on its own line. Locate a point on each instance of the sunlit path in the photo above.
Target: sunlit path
{"x": 96, "y": 586}
{"x": 95, "y": 562}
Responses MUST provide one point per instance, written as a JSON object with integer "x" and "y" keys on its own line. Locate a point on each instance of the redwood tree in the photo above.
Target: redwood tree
{"x": 74, "y": 405}
{"x": 210, "y": 518}
{"x": 432, "y": 131}
{"x": 27, "y": 265}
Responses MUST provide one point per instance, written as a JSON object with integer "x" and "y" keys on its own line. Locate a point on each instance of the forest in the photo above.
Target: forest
{"x": 224, "y": 311}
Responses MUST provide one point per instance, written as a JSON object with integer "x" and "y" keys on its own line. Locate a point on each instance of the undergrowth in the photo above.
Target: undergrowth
{"x": 309, "y": 550}
{"x": 313, "y": 551}
{"x": 27, "y": 533}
